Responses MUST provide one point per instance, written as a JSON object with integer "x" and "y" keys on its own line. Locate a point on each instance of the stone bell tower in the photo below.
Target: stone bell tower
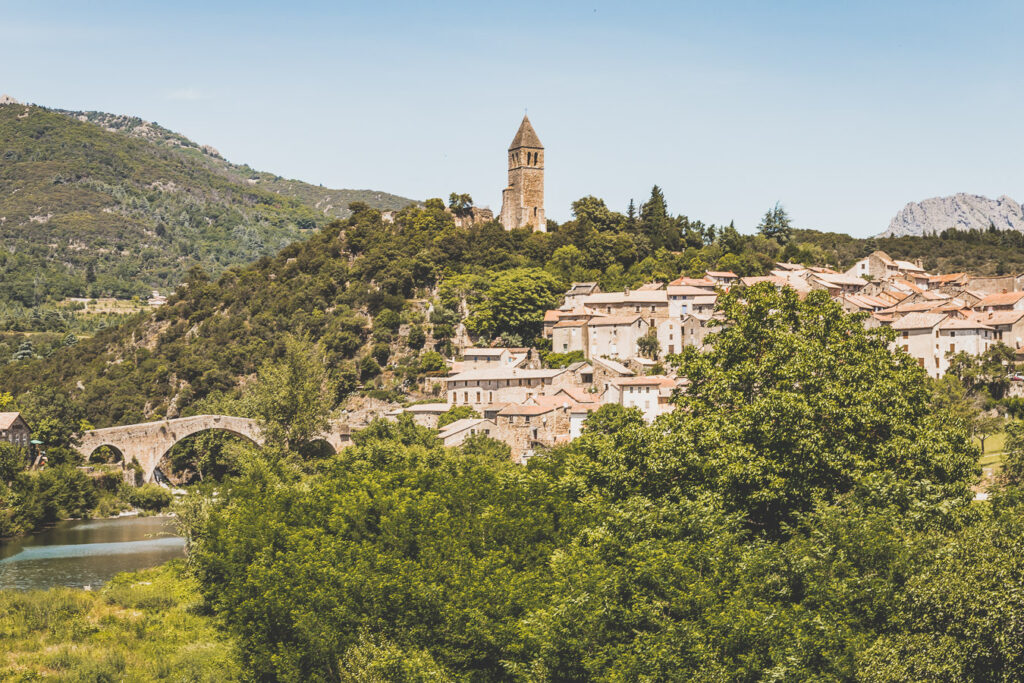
{"x": 522, "y": 202}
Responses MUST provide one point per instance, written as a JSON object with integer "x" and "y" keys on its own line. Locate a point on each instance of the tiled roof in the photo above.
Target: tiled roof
{"x": 961, "y": 324}
{"x": 917, "y": 321}
{"x": 7, "y": 419}
{"x": 461, "y": 425}
{"x": 1001, "y": 299}
{"x": 616, "y": 320}
{"x": 651, "y": 380}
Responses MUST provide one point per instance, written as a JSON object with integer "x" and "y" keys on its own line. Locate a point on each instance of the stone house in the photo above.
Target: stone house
{"x": 670, "y": 336}
{"x": 479, "y": 388}
{"x": 570, "y": 335}
{"x": 695, "y": 328}
{"x": 457, "y": 432}
{"x": 1007, "y": 326}
{"x": 605, "y": 370}
{"x": 722, "y": 278}
{"x": 1003, "y": 301}
{"x": 525, "y": 427}
{"x": 578, "y": 292}
{"x": 426, "y": 414}
{"x": 615, "y": 336}
{"x": 699, "y": 282}
{"x": 918, "y": 335}
{"x": 877, "y": 265}
{"x": 652, "y": 395}
{"x": 648, "y": 303}
{"x": 681, "y": 299}
{"x": 15, "y": 430}
{"x": 475, "y": 358}
{"x": 955, "y": 335}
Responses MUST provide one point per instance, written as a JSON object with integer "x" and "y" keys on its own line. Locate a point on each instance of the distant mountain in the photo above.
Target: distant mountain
{"x": 960, "y": 212}
{"x": 95, "y": 204}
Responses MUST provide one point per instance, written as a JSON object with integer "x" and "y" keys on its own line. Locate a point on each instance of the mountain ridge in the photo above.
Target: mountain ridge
{"x": 961, "y": 211}
{"x": 93, "y": 210}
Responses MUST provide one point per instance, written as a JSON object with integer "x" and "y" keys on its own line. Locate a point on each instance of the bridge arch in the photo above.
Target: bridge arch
{"x": 115, "y": 449}
{"x": 149, "y": 442}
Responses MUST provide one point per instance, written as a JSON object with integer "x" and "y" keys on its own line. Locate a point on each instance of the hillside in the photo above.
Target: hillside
{"x": 88, "y": 212}
{"x": 961, "y": 211}
{"x": 332, "y": 203}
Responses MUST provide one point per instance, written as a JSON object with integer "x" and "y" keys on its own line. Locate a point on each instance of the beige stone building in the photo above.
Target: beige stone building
{"x": 544, "y": 421}
{"x": 522, "y": 202}
{"x": 918, "y": 335}
{"x": 480, "y": 388}
{"x": 615, "y": 336}
{"x": 651, "y": 395}
{"x": 457, "y": 432}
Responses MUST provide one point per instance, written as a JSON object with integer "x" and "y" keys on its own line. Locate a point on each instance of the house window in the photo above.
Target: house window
{"x": 906, "y": 334}
{"x": 952, "y": 348}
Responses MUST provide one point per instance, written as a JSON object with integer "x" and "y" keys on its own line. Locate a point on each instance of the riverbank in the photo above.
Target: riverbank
{"x": 34, "y": 500}
{"x": 141, "y": 626}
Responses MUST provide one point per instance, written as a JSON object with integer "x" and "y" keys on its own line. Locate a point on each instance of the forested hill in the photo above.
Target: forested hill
{"x": 332, "y": 203}
{"x": 362, "y": 288}
{"x": 87, "y": 211}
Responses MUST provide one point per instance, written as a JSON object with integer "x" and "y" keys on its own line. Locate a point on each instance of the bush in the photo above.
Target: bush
{"x": 151, "y": 497}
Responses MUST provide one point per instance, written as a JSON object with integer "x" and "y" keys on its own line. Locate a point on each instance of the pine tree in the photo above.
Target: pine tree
{"x": 775, "y": 225}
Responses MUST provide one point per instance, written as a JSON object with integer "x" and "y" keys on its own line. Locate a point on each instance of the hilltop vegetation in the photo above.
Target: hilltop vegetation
{"x": 86, "y": 212}
{"x": 349, "y": 287}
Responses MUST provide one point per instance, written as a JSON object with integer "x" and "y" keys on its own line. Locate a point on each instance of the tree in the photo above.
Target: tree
{"x": 293, "y": 396}
{"x": 796, "y": 403}
{"x": 454, "y": 414}
{"x": 648, "y": 345}
{"x": 432, "y": 364}
{"x": 985, "y": 426}
{"x": 460, "y": 204}
{"x": 1013, "y": 455}
{"x": 416, "y": 338}
{"x": 514, "y": 304}
{"x": 776, "y": 225}
{"x": 12, "y": 461}
{"x": 483, "y": 446}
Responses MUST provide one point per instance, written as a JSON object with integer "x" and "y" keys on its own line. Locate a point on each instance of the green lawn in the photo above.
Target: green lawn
{"x": 993, "y": 455}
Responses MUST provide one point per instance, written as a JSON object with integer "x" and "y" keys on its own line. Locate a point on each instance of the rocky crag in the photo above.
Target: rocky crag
{"x": 960, "y": 211}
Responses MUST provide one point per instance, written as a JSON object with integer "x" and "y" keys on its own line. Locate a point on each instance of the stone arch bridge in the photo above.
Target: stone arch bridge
{"x": 149, "y": 442}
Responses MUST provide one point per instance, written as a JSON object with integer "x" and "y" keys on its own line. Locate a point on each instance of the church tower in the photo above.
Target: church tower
{"x": 522, "y": 202}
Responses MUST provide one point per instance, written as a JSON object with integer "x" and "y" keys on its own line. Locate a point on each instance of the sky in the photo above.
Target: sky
{"x": 841, "y": 111}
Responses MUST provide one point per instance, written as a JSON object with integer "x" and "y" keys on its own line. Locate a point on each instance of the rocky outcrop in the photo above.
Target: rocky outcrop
{"x": 960, "y": 211}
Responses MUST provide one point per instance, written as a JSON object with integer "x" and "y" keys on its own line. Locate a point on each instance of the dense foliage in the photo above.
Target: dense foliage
{"x": 802, "y": 517}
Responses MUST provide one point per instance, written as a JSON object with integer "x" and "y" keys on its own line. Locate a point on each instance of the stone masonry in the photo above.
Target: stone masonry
{"x": 522, "y": 202}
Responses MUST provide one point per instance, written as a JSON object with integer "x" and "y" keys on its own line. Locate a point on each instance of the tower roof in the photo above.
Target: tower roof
{"x": 526, "y": 136}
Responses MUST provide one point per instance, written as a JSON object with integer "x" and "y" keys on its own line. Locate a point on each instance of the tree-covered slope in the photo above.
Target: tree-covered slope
{"x": 86, "y": 211}
{"x": 332, "y": 203}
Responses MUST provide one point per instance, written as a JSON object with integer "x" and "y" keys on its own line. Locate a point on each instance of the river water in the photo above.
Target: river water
{"x": 88, "y": 552}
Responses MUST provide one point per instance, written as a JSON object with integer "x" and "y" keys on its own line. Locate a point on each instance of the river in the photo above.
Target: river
{"x": 88, "y": 552}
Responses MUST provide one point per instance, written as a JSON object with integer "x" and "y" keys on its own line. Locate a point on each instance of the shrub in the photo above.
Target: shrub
{"x": 152, "y": 497}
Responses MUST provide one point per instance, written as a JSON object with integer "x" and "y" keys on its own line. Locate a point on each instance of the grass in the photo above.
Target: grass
{"x": 142, "y": 626}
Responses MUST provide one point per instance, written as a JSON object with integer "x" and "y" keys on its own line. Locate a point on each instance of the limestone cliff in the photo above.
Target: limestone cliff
{"x": 960, "y": 211}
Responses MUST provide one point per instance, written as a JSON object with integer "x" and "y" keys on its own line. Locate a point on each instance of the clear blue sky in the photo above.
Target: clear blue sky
{"x": 842, "y": 111}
